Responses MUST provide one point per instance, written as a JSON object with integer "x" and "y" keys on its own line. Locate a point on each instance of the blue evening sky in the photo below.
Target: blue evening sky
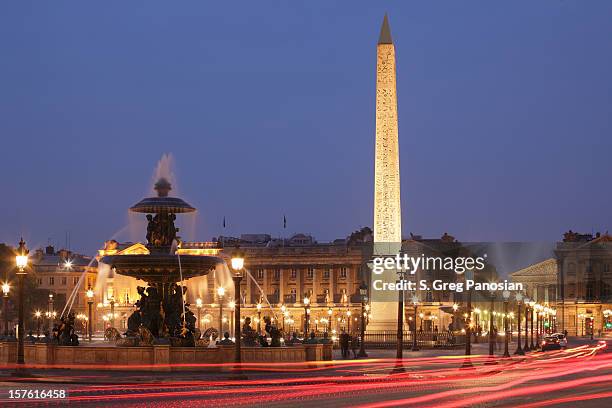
{"x": 268, "y": 109}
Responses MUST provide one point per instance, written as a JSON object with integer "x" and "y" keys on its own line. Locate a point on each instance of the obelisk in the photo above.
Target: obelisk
{"x": 387, "y": 208}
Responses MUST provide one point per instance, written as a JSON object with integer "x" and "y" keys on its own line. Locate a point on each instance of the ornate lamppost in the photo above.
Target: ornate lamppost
{"x": 220, "y": 294}
{"x": 348, "y": 319}
{"x": 519, "y": 351}
{"x": 50, "y": 305}
{"x": 112, "y": 311}
{"x": 21, "y": 259}
{"x": 90, "y": 295}
{"x": 506, "y": 296}
{"x": 526, "y": 301}
{"x": 477, "y": 324}
{"x": 37, "y": 315}
{"x": 538, "y": 310}
{"x": 306, "y": 316}
{"x": 283, "y": 312}
{"x": 232, "y": 306}
{"x": 363, "y": 291}
{"x": 237, "y": 265}
{"x": 330, "y": 313}
{"x": 6, "y": 288}
{"x": 259, "y": 317}
{"x": 199, "y": 308}
{"x": 491, "y": 335}
{"x": 415, "y": 303}
{"x": 531, "y": 308}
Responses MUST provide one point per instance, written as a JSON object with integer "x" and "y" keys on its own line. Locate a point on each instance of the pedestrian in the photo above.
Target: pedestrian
{"x": 344, "y": 344}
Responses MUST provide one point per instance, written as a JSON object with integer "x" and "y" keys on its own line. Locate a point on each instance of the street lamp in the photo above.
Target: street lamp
{"x": 330, "y": 312}
{"x": 50, "y": 313}
{"x": 259, "y": 317}
{"x": 21, "y": 259}
{"x": 415, "y": 303}
{"x": 6, "y": 288}
{"x": 519, "y": 351}
{"x": 112, "y": 311}
{"x": 90, "y": 300}
{"x": 220, "y": 294}
{"x": 285, "y": 314}
{"x": 363, "y": 291}
{"x": 232, "y": 306}
{"x": 37, "y": 315}
{"x": 491, "y": 336}
{"x": 538, "y": 309}
{"x": 306, "y": 316}
{"x": 532, "y": 304}
{"x": 237, "y": 265}
{"x": 199, "y": 307}
{"x": 348, "y": 318}
{"x": 506, "y": 296}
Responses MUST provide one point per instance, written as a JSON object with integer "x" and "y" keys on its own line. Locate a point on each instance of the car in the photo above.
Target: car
{"x": 550, "y": 343}
{"x": 562, "y": 339}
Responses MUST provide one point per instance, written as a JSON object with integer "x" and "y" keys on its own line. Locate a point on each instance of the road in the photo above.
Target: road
{"x": 580, "y": 375}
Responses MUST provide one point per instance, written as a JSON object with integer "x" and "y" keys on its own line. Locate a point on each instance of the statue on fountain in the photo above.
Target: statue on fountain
{"x": 274, "y": 333}
{"x": 249, "y": 336}
{"x": 65, "y": 331}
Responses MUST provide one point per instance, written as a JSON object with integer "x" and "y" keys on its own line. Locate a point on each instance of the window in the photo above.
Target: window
{"x": 571, "y": 268}
{"x": 39, "y": 281}
{"x": 260, "y": 274}
{"x": 75, "y": 280}
{"x": 51, "y": 281}
{"x": 343, "y": 272}
{"x": 293, "y": 273}
{"x": 64, "y": 280}
{"x": 310, "y": 273}
{"x": 606, "y": 268}
{"x": 326, "y": 274}
{"x": 277, "y": 273}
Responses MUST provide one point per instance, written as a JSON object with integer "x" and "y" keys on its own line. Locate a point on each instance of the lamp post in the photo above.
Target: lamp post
{"x": 259, "y": 317}
{"x": 330, "y": 312}
{"x": 348, "y": 319}
{"x": 112, "y": 311}
{"x": 455, "y": 308}
{"x": 531, "y": 307}
{"x": 306, "y": 317}
{"x": 220, "y": 294}
{"x": 506, "y": 296}
{"x": 538, "y": 310}
{"x": 237, "y": 265}
{"x": 491, "y": 335}
{"x": 284, "y": 313}
{"x": 90, "y": 296}
{"x": 37, "y": 315}
{"x": 477, "y": 324}
{"x": 519, "y": 351}
{"x": 6, "y": 288}
{"x": 415, "y": 303}
{"x": 526, "y": 301}
{"x": 199, "y": 308}
{"x": 232, "y": 306}
{"x": 21, "y": 259}
{"x": 363, "y": 291}
{"x": 50, "y": 304}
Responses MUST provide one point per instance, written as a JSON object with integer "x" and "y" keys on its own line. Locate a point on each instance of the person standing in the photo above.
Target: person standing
{"x": 344, "y": 344}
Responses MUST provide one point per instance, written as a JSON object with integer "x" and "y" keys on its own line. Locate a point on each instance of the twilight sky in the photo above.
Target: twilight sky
{"x": 505, "y": 116}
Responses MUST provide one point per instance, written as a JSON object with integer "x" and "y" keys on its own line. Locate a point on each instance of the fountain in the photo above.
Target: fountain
{"x": 163, "y": 315}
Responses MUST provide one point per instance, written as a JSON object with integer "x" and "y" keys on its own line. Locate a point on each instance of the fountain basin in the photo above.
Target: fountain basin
{"x": 162, "y": 268}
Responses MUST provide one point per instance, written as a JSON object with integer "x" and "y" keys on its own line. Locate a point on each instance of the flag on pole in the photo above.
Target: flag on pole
{"x": 223, "y": 221}
{"x": 284, "y": 222}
